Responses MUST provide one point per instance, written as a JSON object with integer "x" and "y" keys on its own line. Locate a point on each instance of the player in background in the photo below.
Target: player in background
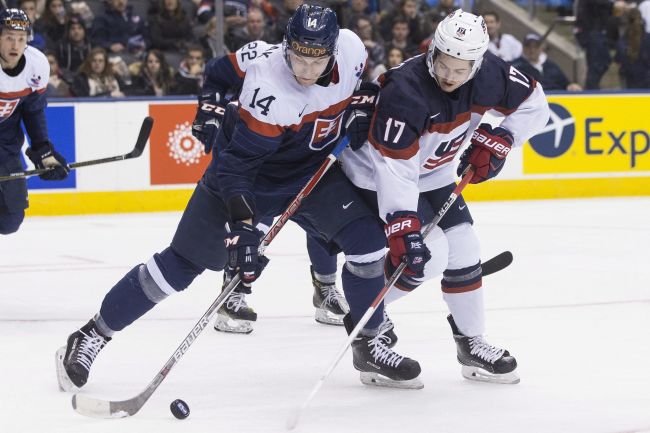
{"x": 427, "y": 108}
{"x": 288, "y": 119}
{"x": 23, "y": 81}
{"x": 224, "y": 76}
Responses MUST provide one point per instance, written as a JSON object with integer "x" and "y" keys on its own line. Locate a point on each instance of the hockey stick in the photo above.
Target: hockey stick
{"x": 496, "y": 263}
{"x": 140, "y": 143}
{"x": 294, "y": 417}
{"x": 98, "y": 408}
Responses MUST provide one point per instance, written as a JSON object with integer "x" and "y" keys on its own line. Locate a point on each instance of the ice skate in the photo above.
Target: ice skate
{"x": 381, "y": 366}
{"x": 330, "y": 305}
{"x": 73, "y": 361}
{"x": 481, "y": 361}
{"x": 235, "y": 316}
{"x": 387, "y": 328}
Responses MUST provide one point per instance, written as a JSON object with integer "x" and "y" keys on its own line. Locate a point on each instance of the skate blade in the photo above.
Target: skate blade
{"x": 65, "y": 384}
{"x": 374, "y": 379}
{"x": 475, "y": 373}
{"x": 326, "y": 317}
{"x": 232, "y": 326}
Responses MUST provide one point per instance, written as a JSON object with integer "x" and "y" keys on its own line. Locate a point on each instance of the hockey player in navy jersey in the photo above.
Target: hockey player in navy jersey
{"x": 288, "y": 119}
{"x": 427, "y": 108}
{"x": 23, "y": 81}
{"x": 224, "y": 76}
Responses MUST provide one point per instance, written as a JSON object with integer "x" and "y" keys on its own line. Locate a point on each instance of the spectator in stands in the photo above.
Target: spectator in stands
{"x": 591, "y": 28}
{"x": 633, "y": 53}
{"x": 350, "y": 15}
{"x": 170, "y": 27}
{"x": 208, "y": 41}
{"x": 234, "y": 12}
{"x": 254, "y": 30}
{"x": 502, "y": 45}
{"x": 118, "y": 29}
{"x": 81, "y": 9}
{"x": 536, "y": 63}
{"x": 75, "y": 46}
{"x": 395, "y": 57}
{"x": 96, "y": 77}
{"x": 29, "y": 6}
{"x": 151, "y": 77}
{"x": 57, "y": 85}
{"x": 439, "y": 11}
{"x": 401, "y": 37}
{"x": 52, "y": 24}
{"x": 283, "y": 14}
{"x": 408, "y": 10}
{"x": 365, "y": 30}
{"x": 189, "y": 78}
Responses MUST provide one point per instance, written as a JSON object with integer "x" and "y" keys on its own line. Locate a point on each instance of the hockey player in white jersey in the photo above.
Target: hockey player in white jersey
{"x": 288, "y": 120}
{"x": 23, "y": 81}
{"x": 223, "y": 76}
{"x": 427, "y": 107}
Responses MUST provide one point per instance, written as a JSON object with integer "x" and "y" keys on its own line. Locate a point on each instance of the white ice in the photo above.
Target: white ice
{"x": 574, "y": 308}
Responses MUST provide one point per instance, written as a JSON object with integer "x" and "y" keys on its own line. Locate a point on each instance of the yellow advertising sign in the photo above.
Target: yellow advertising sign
{"x": 592, "y": 133}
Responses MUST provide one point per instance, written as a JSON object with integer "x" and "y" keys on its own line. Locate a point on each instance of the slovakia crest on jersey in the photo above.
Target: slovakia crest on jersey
{"x": 7, "y": 108}
{"x": 325, "y": 132}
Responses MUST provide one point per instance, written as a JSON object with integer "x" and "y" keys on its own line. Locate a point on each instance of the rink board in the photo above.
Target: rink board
{"x": 595, "y": 145}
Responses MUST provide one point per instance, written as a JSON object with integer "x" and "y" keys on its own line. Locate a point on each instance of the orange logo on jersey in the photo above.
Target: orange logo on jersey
{"x": 325, "y": 132}
{"x": 7, "y": 108}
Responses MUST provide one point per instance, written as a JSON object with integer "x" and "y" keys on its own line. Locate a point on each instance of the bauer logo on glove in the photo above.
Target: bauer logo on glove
{"x": 501, "y": 148}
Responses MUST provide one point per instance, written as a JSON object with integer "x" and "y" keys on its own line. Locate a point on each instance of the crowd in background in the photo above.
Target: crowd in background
{"x": 160, "y": 47}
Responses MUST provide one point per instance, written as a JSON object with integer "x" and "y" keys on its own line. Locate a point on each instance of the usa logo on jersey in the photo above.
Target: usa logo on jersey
{"x": 7, "y": 108}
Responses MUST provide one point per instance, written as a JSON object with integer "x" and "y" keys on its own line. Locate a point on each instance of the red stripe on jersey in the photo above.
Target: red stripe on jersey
{"x": 447, "y": 127}
{"x": 463, "y": 289}
{"x": 480, "y": 109}
{"x": 233, "y": 59}
{"x": 331, "y": 111}
{"x": 41, "y": 91}
{"x": 265, "y": 129}
{"x": 19, "y": 94}
{"x": 406, "y": 153}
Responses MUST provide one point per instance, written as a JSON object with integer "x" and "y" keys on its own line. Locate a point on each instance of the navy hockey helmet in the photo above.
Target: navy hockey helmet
{"x": 15, "y": 19}
{"x": 312, "y": 31}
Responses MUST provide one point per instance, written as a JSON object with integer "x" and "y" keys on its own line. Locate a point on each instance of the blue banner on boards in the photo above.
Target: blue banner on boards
{"x": 61, "y": 131}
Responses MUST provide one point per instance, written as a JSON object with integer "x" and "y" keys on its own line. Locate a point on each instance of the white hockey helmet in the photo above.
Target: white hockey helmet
{"x": 462, "y": 35}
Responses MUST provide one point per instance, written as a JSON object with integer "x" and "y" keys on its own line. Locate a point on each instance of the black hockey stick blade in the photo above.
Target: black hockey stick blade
{"x": 497, "y": 263}
{"x": 145, "y": 130}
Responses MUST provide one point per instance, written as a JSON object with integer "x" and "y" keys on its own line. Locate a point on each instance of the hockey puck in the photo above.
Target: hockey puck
{"x": 179, "y": 409}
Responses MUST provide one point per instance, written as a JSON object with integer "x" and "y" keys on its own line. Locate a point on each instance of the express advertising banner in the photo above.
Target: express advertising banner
{"x": 592, "y": 133}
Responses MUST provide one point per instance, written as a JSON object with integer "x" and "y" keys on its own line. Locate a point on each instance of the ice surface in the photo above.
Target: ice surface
{"x": 574, "y": 308}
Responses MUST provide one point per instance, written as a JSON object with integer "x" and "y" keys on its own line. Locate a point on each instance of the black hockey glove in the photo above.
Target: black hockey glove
{"x": 242, "y": 243}
{"x": 405, "y": 239}
{"x": 359, "y": 114}
{"x": 209, "y": 116}
{"x": 43, "y": 155}
{"x": 487, "y": 152}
